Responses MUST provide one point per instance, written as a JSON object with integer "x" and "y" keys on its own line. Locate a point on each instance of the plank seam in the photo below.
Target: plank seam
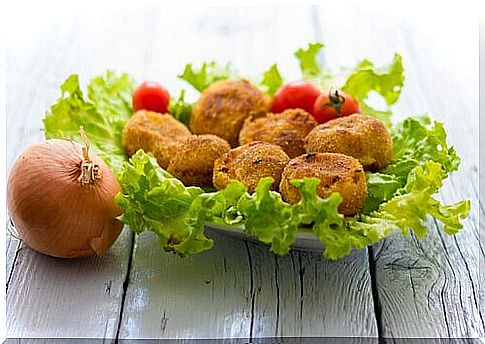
{"x": 277, "y": 295}
{"x": 251, "y": 291}
{"x": 301, "y": 272}
{"x": 375, "y": 293}
{"x": 445, "y": 281}
{"x": 126, "y": 283}
{"x": 472, "y": 284}
{"x": 14, "y": 264}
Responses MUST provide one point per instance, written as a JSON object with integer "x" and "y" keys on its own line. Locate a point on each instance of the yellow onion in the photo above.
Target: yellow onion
{"x": 61, "y": 200}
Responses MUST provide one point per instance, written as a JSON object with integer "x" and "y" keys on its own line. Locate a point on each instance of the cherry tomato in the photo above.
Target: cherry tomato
{"x": 333, "y": 104}
{"x": 298, "y": 94}
{"x": 151, "y": 96}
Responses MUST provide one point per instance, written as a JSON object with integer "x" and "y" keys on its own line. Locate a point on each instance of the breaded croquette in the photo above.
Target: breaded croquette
{"x": 363, "y": 137}
{"x": 249, "y": 163}
{"x": 223, "y": 107}
{"x": 337, "y": 173}
{"x": 194, "y": 162}
{"x": 287, "y": 130}
{"x": 159, "y": 134}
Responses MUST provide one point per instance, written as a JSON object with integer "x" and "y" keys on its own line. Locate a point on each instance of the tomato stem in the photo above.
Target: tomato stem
{"x": 335, "y": 101}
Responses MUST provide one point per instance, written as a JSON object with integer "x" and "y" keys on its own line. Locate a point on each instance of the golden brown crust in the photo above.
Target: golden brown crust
{"x": 337, "y": 173}
{"x": 193, "y": 164}
{"x": 223, "y": 107}
{"x": 160, "y": 134}
{"x": 287, "y": 130}
{"x": 249, "y": 163}
{"x": 363, "y": 137}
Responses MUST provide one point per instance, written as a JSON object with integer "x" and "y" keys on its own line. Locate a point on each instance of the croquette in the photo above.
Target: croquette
{"x": 363, "y": 137}
{"x": 287, "y": 130}
{"x": 337, "y": 173}
{"x": 223, "y": 107}
{"x": 249, "y": 163}
{"x": 194, "y": 162}
{"x": 159, "y": 134}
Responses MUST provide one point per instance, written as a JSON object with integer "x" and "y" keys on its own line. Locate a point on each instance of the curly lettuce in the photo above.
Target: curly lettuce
{"x": 102, "y": 113}
{"x": 386, "y": 81}
{"x": 272, "y": 80}
{"x": 207, "y": 74}
{"x": 416, "y": 140}
{"x": 310, "y": 68}
{"x": 153, "y": 200}
{"x": 181, "y": 109}
{"x": 400, "y": 197}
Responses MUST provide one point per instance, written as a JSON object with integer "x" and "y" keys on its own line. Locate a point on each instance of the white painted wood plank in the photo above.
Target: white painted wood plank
{"x": 48, "y": 297}
{"x": 426, "y": 288}
{"x": 193, "y": 297}
{"x": 54, "y": 298}
{"x": 257, "y": 295}
{"x": 314, "y": 297}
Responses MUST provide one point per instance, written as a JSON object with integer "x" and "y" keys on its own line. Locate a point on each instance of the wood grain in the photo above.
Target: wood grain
{"x": 434, "y": 280}
{"x": 205, "y": 296}
{"x": 53, "y": 298}
{"x": 304, "y": 295}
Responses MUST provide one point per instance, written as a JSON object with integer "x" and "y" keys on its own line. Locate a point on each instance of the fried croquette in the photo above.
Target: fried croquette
{"x": 249, "y": 163}
{"x": 337, "y": 173}
{"x": 287, "y": 130}
{"x": 223, "y": 107}
{"x": 159, "y": 134}
{"x": 363, "y": 137}
{"x": 194, "y": 162}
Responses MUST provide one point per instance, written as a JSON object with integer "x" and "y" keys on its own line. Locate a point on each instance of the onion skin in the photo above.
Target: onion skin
{"x": 53, "y": 212}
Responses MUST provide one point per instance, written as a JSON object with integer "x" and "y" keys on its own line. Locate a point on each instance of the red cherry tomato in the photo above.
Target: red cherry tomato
{"x": 333, "y": 104}
{"x": 297, "y": 94}
{"x": 151, "y": 96}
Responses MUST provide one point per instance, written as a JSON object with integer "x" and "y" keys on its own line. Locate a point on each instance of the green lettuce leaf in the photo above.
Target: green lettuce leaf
{"x": 268, "y": 218}
{"x": 153, "y": 200}
{"x": 387, "y": 81}
{"x": 409, "y": 209}
{"x": 310, "y": 67}
{"x": 406, "y": 211}
{"x": 380, "y": 187}
{"x": 206, "y": 75}
{"x": 180, "y": 109}
{"x": 272, "y": 80}
{"x": 417, "y": 140}
{"x": 102, "y": 113}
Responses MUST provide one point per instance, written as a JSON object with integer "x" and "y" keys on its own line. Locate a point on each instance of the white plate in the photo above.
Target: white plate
{"x": 305, "y": 241}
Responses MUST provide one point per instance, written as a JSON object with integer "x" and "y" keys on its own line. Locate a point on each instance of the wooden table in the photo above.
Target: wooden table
{"x": 399, "y": 288}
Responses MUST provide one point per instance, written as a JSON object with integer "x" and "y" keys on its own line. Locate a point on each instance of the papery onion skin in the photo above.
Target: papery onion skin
{"x": 52, "y": 211}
